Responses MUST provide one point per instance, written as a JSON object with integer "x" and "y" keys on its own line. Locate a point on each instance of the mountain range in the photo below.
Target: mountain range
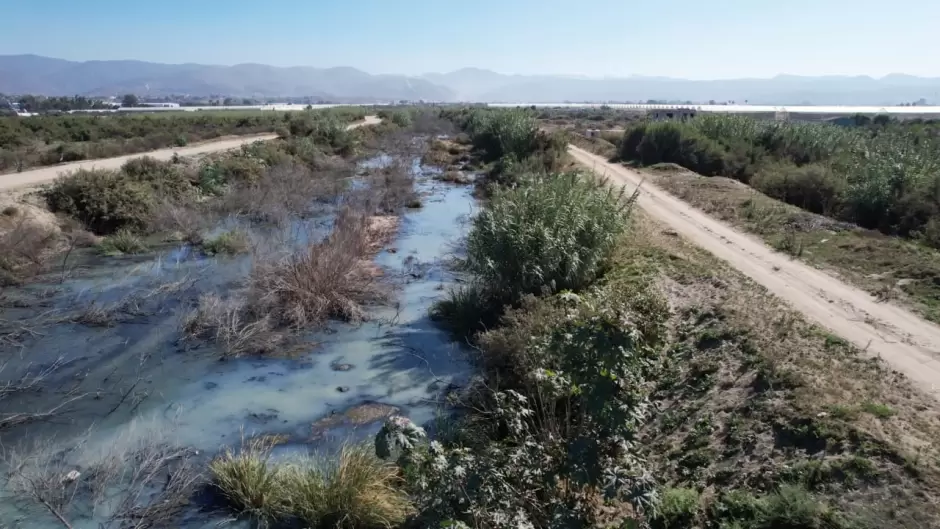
{"x": 33, "y": 74}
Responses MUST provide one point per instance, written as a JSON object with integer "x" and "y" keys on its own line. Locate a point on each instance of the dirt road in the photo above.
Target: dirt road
{"x": 909, "y": 344}
{"x": 48, "y": 174}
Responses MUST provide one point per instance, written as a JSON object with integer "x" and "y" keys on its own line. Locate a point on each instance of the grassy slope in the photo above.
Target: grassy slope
{"x": 757, "y": 397}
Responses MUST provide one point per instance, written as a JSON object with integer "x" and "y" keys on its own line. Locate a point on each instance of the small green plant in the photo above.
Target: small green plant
{"x": 466, "y": 310}
{"x": 228, "y": 243}
{"x": 678, "y": 509}
{"x": 882, "y": 411}
{"x": 124, "y": 242}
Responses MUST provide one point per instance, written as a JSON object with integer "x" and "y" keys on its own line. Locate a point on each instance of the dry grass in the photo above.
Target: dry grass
{"x": 229, "y": 324}
{"x": 756, "y": 397}
{"x": 332, "y": 278}
{"x": 180, "y": 221}
{"x": 445, "y": 153}
{"x": 285, "y": 191}
{"x": 454, "y": 177}
{"x": 390, "y": 189}
{"x": 354, "y": 490}
{"x": 25, "y": 247}
{"x": 140, "y": 479}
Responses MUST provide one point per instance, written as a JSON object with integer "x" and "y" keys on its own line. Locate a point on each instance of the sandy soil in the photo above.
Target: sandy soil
{"x": 909, "y": 344}
{"x": 47, "y": 174}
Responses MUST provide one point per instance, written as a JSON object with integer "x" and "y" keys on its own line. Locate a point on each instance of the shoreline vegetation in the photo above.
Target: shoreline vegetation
{"x": 625, "y": 378}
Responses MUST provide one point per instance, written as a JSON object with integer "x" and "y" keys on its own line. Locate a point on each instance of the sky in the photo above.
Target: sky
{"x": 692, "y": 39}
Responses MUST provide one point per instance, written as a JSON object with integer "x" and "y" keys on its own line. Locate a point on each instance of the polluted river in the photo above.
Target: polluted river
{"x": 97, "y": 364}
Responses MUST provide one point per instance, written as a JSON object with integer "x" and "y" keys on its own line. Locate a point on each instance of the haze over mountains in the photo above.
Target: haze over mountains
{"x": 22, "y": 74}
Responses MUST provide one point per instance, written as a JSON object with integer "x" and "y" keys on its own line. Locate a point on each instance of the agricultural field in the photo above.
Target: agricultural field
{"x": 48, "y": 140}
{"x": 437, "y": 321}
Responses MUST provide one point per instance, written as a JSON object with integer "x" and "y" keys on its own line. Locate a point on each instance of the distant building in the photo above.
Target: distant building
{"x": 671, "y": 114}
{"x": 160, "y": 105}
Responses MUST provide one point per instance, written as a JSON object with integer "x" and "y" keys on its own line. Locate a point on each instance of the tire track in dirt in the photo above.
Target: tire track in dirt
{"x": 906, "y": 342}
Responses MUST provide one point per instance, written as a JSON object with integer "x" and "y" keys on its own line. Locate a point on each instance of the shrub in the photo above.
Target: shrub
{"x": 122, "y": 242}
{"x": 551, "y": 234}
{"x": 678, "y": 143}
{"x": 510, "y": 133}
{"x": 25, "y": 246}
{"x": 630, "y": 144}
{"x": 811, "y": 187}
{"x": 105, "y": 201}
{"x": 164, "y": 178}
{"x": 582, "y": 401}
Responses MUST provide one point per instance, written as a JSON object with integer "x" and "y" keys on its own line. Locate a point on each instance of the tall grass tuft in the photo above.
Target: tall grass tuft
{"x": 355, "y": 490}
{"x": 123, "y": 242}
{"x": 253, "y": 485}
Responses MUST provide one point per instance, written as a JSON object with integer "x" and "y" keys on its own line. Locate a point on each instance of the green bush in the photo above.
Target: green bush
{"x": 552, "y": 234}
{"x": 105, "y": 201}
{"x": 678, "y": 143}
{"x": 503, "y": 133}
{"x": 583, "y": 397}
{"x": 812, "y": 187}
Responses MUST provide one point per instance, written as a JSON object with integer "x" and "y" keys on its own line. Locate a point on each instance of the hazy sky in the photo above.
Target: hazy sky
{"x": 680, "y": 38}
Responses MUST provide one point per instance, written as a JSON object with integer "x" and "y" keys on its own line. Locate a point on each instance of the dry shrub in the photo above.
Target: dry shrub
{"x": 25, "y": 246}
{"x": 285, "y": 191}
{"x": 392, "y": 188}
{"x": 141, "y": 479}
{"x": 230, "y": 324}
{"x": 183, "y": 221}
{"x": 330, "y": 278}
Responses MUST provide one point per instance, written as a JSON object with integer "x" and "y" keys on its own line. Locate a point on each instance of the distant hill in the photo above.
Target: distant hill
{"x": 483, "y": 85}
{"x": 34, "y": 74}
